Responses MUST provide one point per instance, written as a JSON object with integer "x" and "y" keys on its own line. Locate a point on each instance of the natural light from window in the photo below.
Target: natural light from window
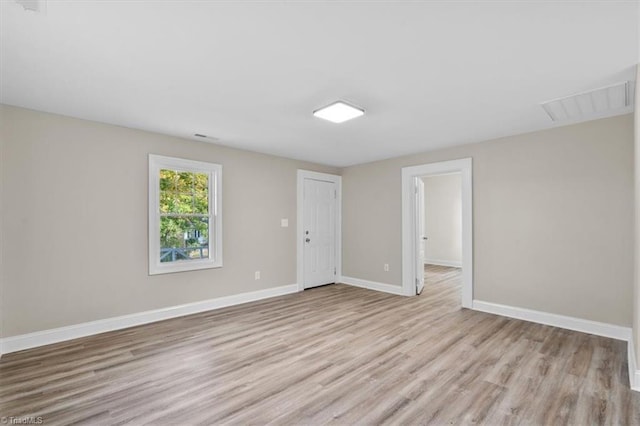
{"x": 184, "y": 219}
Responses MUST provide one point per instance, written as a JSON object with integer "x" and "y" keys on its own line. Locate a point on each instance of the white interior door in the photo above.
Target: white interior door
{"x": 421, "y": 238}
{"x": 319, "y": 232}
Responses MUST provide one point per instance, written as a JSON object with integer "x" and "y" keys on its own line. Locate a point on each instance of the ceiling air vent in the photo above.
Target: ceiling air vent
{"x": 200, "y": 135}
{"x": 596, "y": 103}
{"x": 32, "y": 5}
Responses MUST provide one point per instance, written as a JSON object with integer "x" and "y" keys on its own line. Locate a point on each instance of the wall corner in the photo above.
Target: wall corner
{"x": 634, "y": 349}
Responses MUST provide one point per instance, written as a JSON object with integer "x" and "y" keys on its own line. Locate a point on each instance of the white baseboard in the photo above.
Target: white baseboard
{"x": 570, "y": 323}
{"x": 634, "y": 373}
{"x": 612, "y": 331}
{"x": 372, "y": 285}
{"x": 46, "y": 337}
{"x": 441, "y": 262}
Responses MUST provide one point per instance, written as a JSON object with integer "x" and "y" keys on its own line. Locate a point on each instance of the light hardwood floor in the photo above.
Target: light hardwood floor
{"x": 448, "y": 276}
{"x": 335, "y": 354}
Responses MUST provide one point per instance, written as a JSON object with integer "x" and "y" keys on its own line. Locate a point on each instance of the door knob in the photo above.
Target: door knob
{"x": 307, "y": 240}
{"x": 425, "y": 238}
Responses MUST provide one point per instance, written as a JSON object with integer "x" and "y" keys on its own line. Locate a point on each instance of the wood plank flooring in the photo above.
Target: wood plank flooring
{"x": 331, "y": 355}
{"x": 436, "y": 274}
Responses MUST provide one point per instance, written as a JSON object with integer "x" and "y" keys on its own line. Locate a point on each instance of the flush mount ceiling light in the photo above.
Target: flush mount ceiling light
{"x": 338, "y": 112}
{"x": 590, "y": 104}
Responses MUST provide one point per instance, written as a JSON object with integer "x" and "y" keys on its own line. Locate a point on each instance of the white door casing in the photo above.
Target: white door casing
{"x": 410, "y": 225}
{"x": 319, "y": 232}
{"x": 420, "y": 237}
{"x": 318, "y": 229}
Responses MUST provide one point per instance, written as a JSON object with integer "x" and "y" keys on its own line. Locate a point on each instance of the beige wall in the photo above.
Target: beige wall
{"x": 443, "y": 219}
{"x": 553, "y": 213}
{"x": 75, "y": 237}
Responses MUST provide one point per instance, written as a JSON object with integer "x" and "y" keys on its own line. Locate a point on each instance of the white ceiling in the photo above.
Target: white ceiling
{"x": 429, "y": 74}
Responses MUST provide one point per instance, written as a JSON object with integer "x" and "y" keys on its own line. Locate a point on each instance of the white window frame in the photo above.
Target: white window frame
{"x": 159, "y": 162}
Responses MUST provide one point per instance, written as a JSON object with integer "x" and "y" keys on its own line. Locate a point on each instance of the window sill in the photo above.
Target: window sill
{"x": 184, "y": 266}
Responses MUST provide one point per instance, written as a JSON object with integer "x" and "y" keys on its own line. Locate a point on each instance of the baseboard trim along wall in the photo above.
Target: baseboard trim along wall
{"x": 634, "y": 373}
{"x": 372, "y": 285}
{"x": 47, "y": 337}
{"x": 441, "y": 262}
{"x": 612, "y": 331}
{"x": 570, "y": 323}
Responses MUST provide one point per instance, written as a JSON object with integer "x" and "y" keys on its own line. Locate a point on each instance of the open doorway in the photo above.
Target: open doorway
{"x": 415, "y": 252}
{"x": 440, "y": 231}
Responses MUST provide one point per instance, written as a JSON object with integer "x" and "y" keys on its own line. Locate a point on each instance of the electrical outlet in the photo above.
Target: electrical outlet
{"x": 386, "y": 267}
{"x": 284, "y": 223}
{"x": 257, "y": 275}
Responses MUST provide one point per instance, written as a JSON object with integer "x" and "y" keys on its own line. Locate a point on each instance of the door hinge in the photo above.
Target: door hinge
{"x": 335, "y": 271}
{"x": 335, "y": 194}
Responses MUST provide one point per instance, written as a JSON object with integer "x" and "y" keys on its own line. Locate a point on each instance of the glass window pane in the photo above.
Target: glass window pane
{"x": 200, "y": 203}
{"x": 184, "y": 192}
{"x": 184, "y": 238}
{"x": 167, "y": 180}
{"x": 182, "y": 219}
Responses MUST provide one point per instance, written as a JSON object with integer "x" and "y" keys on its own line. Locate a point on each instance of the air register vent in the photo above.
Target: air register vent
{"x": 200, "y": 135}
{"x": 32, "y": 5}
{"x": 591, "y": 104}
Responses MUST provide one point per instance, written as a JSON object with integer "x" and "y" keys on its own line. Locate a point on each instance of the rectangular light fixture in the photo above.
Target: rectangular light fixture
{"x": 338, "y": 112}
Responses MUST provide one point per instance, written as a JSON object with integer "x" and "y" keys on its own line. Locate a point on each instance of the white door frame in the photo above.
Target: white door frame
{"x": 409, "y": 222}
{"x": 421, "y": 229}
{"x": 337, "y": 180}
